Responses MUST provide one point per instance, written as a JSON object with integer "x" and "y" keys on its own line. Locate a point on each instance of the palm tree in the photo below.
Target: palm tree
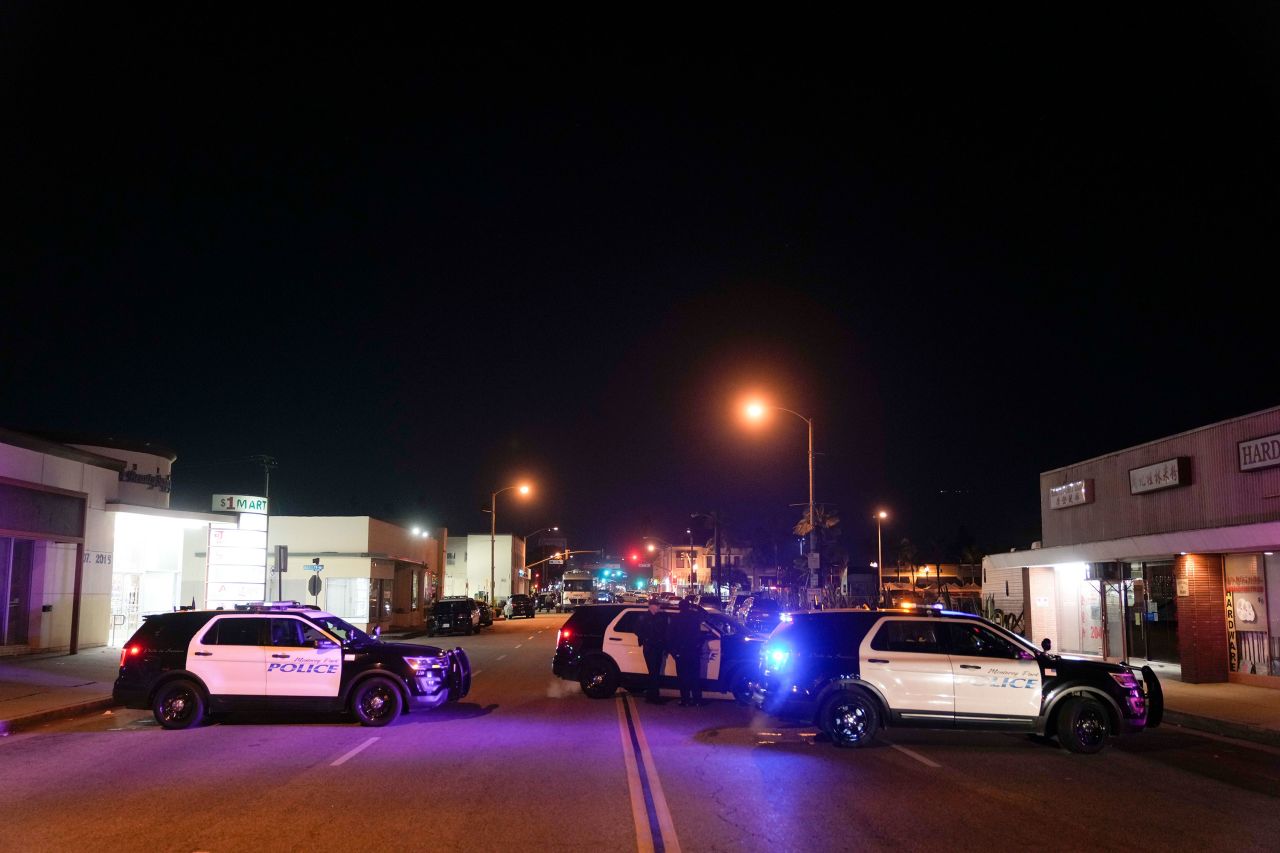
{"x": 907, "y": 556}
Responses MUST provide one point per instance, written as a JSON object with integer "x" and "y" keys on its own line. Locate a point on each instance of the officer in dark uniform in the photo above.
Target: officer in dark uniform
{"x": 685, "y": 642}
{"x": 652, "y": 634}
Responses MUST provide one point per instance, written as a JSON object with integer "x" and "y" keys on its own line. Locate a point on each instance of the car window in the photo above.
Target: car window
{"x": 235, "y": 632}
{"x": 629, "y": 622}
{"x": 286, "y": 632}
{"x": 970, "y": 639}
{"x": 907, "y": 635}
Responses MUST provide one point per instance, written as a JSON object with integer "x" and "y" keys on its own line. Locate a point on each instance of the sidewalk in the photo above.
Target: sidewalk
{"x": 37, "y": 689}
{"x": 40, "y": 688}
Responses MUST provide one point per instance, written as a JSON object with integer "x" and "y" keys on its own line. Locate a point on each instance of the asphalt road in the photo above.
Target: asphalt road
{"x": 527, "y": 762}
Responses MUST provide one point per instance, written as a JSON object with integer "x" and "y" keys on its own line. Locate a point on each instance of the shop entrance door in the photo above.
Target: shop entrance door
{"x": 15, "y": 590}
{"x": 1160, "y": 621}
{"x": 1113, "y": 647}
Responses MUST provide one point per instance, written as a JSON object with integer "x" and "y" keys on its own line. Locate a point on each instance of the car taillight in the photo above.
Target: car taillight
{"x": 128, "y": 652}
{"x": 562, "y": 635}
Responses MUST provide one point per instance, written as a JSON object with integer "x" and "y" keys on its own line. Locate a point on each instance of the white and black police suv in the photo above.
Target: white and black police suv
{"x": 598, "y": 648}
{"x": 279, "y": 656}
{"x": 853, "y": 671}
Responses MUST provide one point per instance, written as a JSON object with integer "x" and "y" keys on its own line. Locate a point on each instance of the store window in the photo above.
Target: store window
{"x": 1253, "y": 638}
{"x": 347, "y": 598}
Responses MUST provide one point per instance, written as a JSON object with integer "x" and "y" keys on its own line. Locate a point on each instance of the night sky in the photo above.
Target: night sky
{"x": 415, "y": 263}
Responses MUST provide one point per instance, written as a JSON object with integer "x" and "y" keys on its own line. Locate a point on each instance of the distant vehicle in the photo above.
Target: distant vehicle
{"x": 577, "y": 588}
{"x": 603, "y": 597}
{"x": 454, "y": 615}
{"x": 854, "y": 671}
{"x": 709, "y": 600}
{"x": 486, "y": 614}
{"x": 518, "y": 605}
{"x": 183, "y": 665}
{"x": 764, "y": 615}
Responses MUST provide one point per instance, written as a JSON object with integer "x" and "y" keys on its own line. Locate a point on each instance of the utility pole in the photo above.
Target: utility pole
{"x": 267, "y": 463}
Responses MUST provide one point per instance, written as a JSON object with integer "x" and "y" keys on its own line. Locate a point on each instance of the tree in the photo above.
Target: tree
{"x": 907, "y": 555}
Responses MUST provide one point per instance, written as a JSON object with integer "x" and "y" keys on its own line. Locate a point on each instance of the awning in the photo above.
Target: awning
{"x": 1211, "y": 540}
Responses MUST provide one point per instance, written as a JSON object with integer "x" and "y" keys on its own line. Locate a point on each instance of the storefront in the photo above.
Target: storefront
{"x": 1163, "y": 552}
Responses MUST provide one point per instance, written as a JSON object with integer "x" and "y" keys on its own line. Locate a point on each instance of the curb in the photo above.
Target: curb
{"x": 26, "y": 721}
{"x": 1241, "y": 731}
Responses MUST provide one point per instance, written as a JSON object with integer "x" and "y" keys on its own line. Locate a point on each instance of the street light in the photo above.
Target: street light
{"x": 755, "y": 410}
{"x": 522, "y": 488}
{"x": 879, "y": 517}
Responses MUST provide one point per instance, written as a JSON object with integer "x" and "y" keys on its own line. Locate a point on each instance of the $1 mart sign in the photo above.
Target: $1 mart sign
{"x": 239, "y": 503}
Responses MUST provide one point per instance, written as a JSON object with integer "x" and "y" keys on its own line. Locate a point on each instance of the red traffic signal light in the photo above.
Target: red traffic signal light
{"x": 635, "y": 558}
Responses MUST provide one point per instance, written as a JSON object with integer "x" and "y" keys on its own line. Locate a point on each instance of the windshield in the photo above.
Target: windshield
{"x": 577, "y": 586}
{"x": 346, "y": 632}
{"x": 722, "y": 624}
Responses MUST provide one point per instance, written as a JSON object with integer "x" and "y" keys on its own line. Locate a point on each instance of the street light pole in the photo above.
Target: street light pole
{"x": 880, "y": 516}
{"x": 756, "y": 410}
{"x": 493, "y": 537}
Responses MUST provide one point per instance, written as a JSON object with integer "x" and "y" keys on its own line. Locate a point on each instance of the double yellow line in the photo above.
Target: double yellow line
{"x": 655, "y": 831}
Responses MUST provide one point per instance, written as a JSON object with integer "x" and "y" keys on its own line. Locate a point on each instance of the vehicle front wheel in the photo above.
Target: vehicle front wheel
{"x": 178, "y": 705}
{"x": 742, "y": 689}
{"x": 376, "y": 702}
{"x": 1083, "y": 725}
{"x": 851, "y": 719}
{"x": 599, "y": 679}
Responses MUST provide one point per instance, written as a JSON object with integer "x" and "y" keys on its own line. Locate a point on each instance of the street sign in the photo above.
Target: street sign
{"x": 313, "y": 567}
{"x": 282, "y": 558}
{"x": 814, "y": 558}
{"x": 313, "y": 585}
{"x": 239, "y": 503}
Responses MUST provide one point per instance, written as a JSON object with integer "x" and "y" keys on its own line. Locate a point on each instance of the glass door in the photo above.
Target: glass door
{"x": 1161, "y": 617}
{"x": 1113, "y": 607}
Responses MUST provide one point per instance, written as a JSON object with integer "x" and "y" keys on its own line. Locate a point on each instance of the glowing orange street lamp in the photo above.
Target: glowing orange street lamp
{"x": 523, "y": 489}
{"x": 755, "y": 410}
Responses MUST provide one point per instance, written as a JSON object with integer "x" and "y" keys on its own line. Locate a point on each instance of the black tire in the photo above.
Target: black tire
{"x": 1083, "y": 725}
{"x": 850, "y": 718}
{"x": 376, "y": 702}
{"x": 179, "y": 704}
{"x": 741, "y": 689}
{"x": 599, "y": 678}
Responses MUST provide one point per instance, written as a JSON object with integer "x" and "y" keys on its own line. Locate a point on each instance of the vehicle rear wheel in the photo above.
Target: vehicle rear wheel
{"x": 599, "y": 679}
{"x": 376, "y": 702}
{"x": 1083, "y": 725}
{"x": 178, "y": 705}
{"x": 851, "y": 719}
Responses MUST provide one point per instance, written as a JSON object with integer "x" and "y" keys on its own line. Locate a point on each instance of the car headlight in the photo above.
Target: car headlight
{"x": 776, "y": 657}
{"x": 421, "y": 665}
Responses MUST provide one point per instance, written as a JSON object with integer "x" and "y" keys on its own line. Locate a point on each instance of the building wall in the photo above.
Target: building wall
{"x": 508, "y": 557}
{"x": 1041, "y": 601}
{"x": 53, "y": 568}
{"x": 1219, "y": 495}
{"x": 1202, "y": 622}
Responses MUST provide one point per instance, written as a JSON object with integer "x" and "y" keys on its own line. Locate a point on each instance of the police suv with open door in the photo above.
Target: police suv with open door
{"x": 186, "y": 664}
{"x": 853, "y": 671}
{"x": 598, "y": 648}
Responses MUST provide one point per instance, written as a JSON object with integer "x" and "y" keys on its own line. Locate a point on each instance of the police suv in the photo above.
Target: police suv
{"x": 597, "y": 647}
{"x": 186, "y": 664}
{"x": 853, "y": 671}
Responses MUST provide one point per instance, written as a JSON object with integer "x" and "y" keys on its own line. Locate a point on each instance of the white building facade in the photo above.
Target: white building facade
{"x": 467, "y": 566}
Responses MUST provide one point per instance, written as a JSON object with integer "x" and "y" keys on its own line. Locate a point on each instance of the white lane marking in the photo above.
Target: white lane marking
{"x": 917, "y": 756}
{"x": 644, "y": 838}
{"x": 353, "y": 753}
{"x": 474, "y": 673}
{"x": 500, "y": 657}
{"x": 530, "y": 637}
{"x": 665, "y": 824}
{"x": 518, "y": 645}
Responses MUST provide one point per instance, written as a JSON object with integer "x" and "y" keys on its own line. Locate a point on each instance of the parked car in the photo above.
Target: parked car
{"x": 518, "y": 605}
{"x": 454, "y": 615}
{"x": 598, "y": 648}
{"x": 486, "y": 614}
{"x": 184, "y": 665}
{"x": 854, "y": 671}
{"x": 764, "y": 615}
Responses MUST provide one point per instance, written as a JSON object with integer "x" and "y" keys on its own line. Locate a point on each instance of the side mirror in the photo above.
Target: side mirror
{"x": 1045, "y": 644}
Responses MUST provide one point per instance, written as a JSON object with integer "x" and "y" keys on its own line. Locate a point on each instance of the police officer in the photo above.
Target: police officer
{"x": 652, "y": 634}
{"x": 684, "y": 639}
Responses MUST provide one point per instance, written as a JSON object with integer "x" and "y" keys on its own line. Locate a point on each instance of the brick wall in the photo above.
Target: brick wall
{"x": 1202, "y": 619}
